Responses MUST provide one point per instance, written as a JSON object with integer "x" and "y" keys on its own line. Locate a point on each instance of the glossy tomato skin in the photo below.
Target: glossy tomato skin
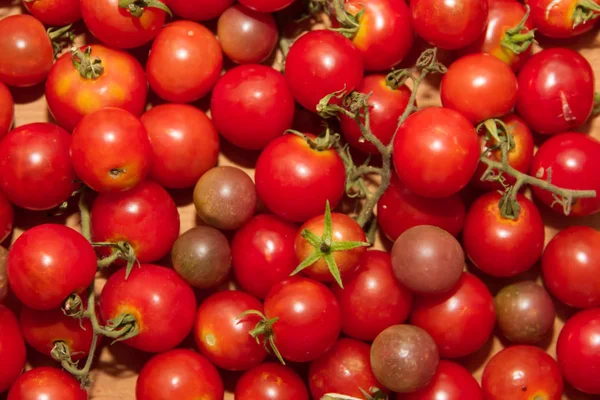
{"x": 185, "y": 144}
{"x": 110, "y": 150}
{"x": 386, "y": 107}
{"x": 462, "y": 21}
{"x": 436, "y": 152}
{"x": 162, "y": 303}
{"x": 295, "y": 181}
{"x": 7, "y": 109}
{"x": 319, "y": 63}
{"x": 572, "y": 158}
{"x": 179, "y": 45}
{"x": 479, "y": 86}
{"x": 451, "y": 381}
{"x": 262, "y": 254}
{"x": 146, "y": 217}
{"x": 49, "y": 262}
{"x": 46, "y": 383}
{"x": 267, "y": 5}
{"x": 309, "y": 318}
{"x": 522, "y": 373}
{"x": 556, "y": 19}
{"x": 199, "y": 10}
{"x": 556, "y": 91}
{"x": 460, "y": 321}
{"x": 372, "y": 299}
{"x": 27, "y": 53}
{"x": 54, "y": 12}
{"x": 7, "y": 216}
{"x": 12, "y": 349}
{"x": 500, "y": 246}
{"x": 71, "y": 97}
{"x": 251, "y": 105}
{"x": 271, "y": 381}
{"x": 35, "y": 170}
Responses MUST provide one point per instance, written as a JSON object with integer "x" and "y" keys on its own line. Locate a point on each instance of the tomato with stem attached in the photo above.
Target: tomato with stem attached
{"x": 564, "y": 18}
{"x": 7, "y": 109}
{"x": 54, "y": 12}
{"x": 451, "y": 381}
{"x": 12, "y": 349}
{"x": 266, "y": 6}
{"x": 47, "y": 383}
{"x": 270, "y": 381}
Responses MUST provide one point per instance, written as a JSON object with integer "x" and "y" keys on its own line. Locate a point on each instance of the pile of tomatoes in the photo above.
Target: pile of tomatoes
{"x": 276, "y": 286}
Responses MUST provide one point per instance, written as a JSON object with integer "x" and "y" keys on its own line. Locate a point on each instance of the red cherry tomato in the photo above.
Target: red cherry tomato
{"x": 27, "y": 53}
{"x": 436, "y": 151}
{"x": 251, "y": 105}
{"x": 7, "y": 109}
{"x": 48, "y": 263}
{"x": 522, "y": 373}
{"x": 572, "y": 158}
{"x": 386, "y": 107}
{"x": 460, "y": 321}
{"x": 162, "y": 303}
{"x": 7, "y": 216}
{"x": 562, "y": 18}
{"x": 199, "y": 10}
{"x": 556, "y": 91}
{"x": 266, "y": 6}
{"x": 46, "y": 383}
{"x": 262, "y": 254}
{"x": 451, "y": 382}
{"x": 449, "y": 25}
{"x": 179, "y": 45}
{"x": 500, "y": 246}
{"x": 295, "y": 181}
{"x": 319, "y": 63}
{"x": 72, "y": 96}
{"x": 185, "y": 144}
{"x": 479, "y": 86}
{"x": 54, "y": 12}
{"x": 270, "y": 381}
{"x": 12, "y": 349}
{"x": 372, "y": 299}
{"x": 110, "y": 150}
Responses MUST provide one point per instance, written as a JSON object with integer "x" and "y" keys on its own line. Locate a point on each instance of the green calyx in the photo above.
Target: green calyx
{"x": 121, "y": 328}
{"x": 264, "y": 330}
{"x": 517, "y": 41}
{"x": 586, "y": 10}
{"x": 60, "y": 37}
{"x": 89, "y": 67}
{"x": 349, "y": 24}
{"x": 323, "y": 142}
{"x": 136, "y": 7}
{"x": 120, "y": 251}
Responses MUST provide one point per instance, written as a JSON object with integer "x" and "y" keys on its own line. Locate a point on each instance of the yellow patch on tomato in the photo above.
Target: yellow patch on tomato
{"x": 63, "y": 86}
{"x": 362, "y": 35}
{"x": 116, "y": 91}
{"x": 87, "y": 102}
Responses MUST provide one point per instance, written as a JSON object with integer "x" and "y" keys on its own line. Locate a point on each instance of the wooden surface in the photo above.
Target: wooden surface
{"x": 116, "y": 370}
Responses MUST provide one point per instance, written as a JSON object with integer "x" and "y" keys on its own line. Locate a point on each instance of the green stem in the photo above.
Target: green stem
{"x": 349, "y": 24}
{"x": 84, "y": 211}
{"x": 89, "y": 67}
{"x": 585, "y": 11}
{"x": 596, "y": 109}
{"x": 60, "y": 37}
{"x": 136, "y": 7}
{"x": 515, "y": 39}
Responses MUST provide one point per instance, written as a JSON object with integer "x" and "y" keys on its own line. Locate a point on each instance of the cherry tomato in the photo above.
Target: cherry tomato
{"x": 12, "y": 349}
{"x": 111, "y": 150}
{"x": 7, "y": 109}
{"x": 386, "y": 107}
{"x": 295, "y": 181}
{"x": 563, "y": 18}
{"x": 436, "y": 151}
{"x": 27, "y": 53}
{"x": 319, "y": 63}
{"x": 266, "y": 5}
{"x": 7, "y": 216}
{"x": 460, "y": 321}
{"x": 262, "y": 254}
{"x": 479, "y": 86}
{"x": 451, "y": 382}
{"x": 251, "y": 105}
{"x": 179, "y": 45}
{"x": 73, "y": 92}
{"x": 501, "y": 246}
{"x": 54, "y": 12}
{"x": 46, "y": 383}
{"x": 308, "y": 318}
{"x": 270, "y": 381}
{"x": 522, "y": 373}
{"x": 146, "y": 217}
{"x": 162, "y": 303}
{"x": 185, "y": 144}
{"x": 449, "y": 25}
{"x": 556, "y": 91}
{"x": 578, "y": 351}
{"x": 572, "y": 158}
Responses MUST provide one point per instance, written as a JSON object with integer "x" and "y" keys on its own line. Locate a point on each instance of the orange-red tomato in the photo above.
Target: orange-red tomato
{"x": 199, "y": 10}
{"x": 562, "y": 18}
{"x": 48, "y": 384}
{"x": 12, "y": 349}
{"x": 54, "y": 12}
{"x": 7, "y": 109}
{"x": 271, "y": 381}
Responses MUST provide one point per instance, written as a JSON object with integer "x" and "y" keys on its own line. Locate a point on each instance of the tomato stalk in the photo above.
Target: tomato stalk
{"x": 136, "y": 7}
{"x": 60, "y": 37}
{"x": 517, "y": 41}
{"x": 349, "y": 24}
{"x": 89, "y": 67}
{"x": 264, "y": 329}
{"x": 586, "y": 10}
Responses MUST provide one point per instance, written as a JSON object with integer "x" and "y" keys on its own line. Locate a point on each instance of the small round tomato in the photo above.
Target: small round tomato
{"x": 572, "y": 159}
{"x": 295, "y": 181}
{"x": 251, "y": 105}
{"x": 460, "y": 321}
{"x": 449, "y": 25}
{"x": 7, "y": 216}
{"x": 319, "y": 63}
{"x": 556, "y": 91}
{"x": 199, "y": 10}
{"x": 501, "y": 246}
{"x": 179, "y": 45}
{"x": 264, "y": 248}
{"x": 522, "y": 373}
{"x": 372, "y": 299}
{"x": 266, "y": 6}
{"x": 7, "y": 109}
{"x": 110, "y": 150}
{"x": 27, "y": 54}
{"x": 563, "y": 18}
{"x": 161, "y": 302}
{"x": 386, "y": 106}
{"x": 436, "y": 152}
{"x": 479, "y": 86}
{"x": 12, "y": 349}
{"x": 46, "y": 383}
{"x": 73, "y": 90}
{"x": 451, "y": 381}
{"x": 54, "y": 12}
{"x": 185, "y": 144}
{"x": 179, "y": 374}
{"x": 270, "y": 381}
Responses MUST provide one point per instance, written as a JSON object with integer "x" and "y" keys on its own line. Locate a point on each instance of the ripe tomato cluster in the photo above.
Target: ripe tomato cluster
{"x": 273, "y": 292}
